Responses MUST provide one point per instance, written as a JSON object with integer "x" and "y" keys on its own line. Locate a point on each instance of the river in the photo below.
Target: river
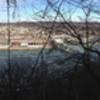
{"x": 28, "y": 57}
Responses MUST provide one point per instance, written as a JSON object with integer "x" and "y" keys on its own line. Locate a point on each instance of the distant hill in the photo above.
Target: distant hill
{"x": 94, "y": 26}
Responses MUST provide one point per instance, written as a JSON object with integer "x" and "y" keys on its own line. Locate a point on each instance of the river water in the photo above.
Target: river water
{"x": 28, "y": 57}
{"x": 23, "y": 57}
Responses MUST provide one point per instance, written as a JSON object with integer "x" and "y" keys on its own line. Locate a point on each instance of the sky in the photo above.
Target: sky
{"x": 32, "y": 10}
{"x": 26, "y": 10}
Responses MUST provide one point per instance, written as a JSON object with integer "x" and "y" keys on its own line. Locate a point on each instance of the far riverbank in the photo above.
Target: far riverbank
{"x": 5, "y": 48}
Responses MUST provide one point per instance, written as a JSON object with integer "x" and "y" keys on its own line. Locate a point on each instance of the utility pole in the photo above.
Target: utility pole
{"x": 8, "y": 42}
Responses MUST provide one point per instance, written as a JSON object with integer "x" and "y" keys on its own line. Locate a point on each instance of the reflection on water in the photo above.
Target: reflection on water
{"x": 28, "y": 58}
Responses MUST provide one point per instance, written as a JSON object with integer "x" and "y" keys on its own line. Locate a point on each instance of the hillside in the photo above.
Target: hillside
{"x": 33, "y": 33}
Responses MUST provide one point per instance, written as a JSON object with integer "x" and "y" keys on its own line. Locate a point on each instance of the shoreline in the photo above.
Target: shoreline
{"x": 23, "y": 48}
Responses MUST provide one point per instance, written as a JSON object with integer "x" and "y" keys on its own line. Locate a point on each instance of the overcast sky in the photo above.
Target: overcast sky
{"x": 31, "y": 10}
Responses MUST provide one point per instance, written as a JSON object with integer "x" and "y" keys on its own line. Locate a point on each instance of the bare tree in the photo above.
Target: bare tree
{"x": 60, "y": 20}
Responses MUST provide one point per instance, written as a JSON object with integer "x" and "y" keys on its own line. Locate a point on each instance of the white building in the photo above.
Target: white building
{"x": 58, "y": 41}
{"x": 24, "y": 44}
